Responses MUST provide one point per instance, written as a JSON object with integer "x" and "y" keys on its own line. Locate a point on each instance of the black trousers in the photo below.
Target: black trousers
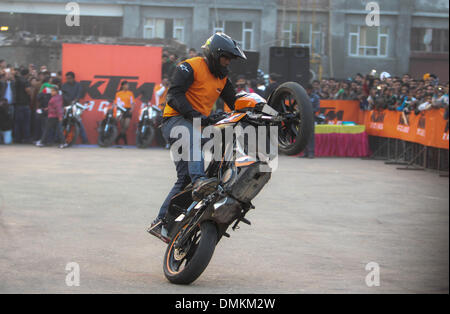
{"x": 53, "y": 124}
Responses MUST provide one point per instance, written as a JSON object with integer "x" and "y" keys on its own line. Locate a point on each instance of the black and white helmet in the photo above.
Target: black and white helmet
{"x": 221, "y": 45}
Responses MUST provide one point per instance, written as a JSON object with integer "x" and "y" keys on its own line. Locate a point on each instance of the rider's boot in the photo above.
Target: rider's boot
{"x": 156, "y": 229}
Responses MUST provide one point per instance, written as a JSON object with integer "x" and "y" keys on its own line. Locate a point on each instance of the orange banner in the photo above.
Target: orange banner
{"x": 427, "y": 128}
{"x": 337, "y": 111}
{"x": 101, "y": 68}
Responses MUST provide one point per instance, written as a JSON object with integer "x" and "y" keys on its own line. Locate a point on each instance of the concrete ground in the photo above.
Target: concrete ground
{"x": 316, "y": 226}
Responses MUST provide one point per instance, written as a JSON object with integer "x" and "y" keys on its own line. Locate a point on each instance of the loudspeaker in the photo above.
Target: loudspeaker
{"x": 292, "y": 64}
{"x": 248, "y": 68}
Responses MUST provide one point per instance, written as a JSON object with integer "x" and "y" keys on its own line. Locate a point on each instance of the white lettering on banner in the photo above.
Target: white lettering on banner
{"x": 90, "y": 106}
{"x": 403, "y": 128}
{"x": 445, "y": 137}
{"x": 377, "y": 126}
{"x": 421, "y": 132}
{"x": 102, "y": 105}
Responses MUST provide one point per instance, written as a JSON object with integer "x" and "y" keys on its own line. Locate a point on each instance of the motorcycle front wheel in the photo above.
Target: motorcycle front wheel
{"x": 294, "y": 134}
{"x": 71, "y": 133}
{"x": 106, "y": 140}
{"x": 146, "y": 139}
{"x": 184, "y": 265}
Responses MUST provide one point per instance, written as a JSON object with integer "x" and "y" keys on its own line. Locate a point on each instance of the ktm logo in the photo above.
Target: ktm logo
{"x": 331, "y": 114}
{"x": 112, "y": 86}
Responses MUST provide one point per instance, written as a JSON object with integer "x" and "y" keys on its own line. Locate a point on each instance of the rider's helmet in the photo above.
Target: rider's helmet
{"x": 221, "y": 45}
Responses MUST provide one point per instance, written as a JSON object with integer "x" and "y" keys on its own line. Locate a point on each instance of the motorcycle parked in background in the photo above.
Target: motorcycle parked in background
{"x": 108, "y": 128}
{"x": 71, "y": 121}
{"x": 149, "y": 124}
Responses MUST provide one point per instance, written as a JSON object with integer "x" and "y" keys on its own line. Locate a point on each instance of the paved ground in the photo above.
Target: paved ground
{"x": 315, "y": 227}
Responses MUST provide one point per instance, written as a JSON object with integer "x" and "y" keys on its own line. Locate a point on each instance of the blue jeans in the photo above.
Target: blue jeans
{"x": 83, "y": 135}
{"x": 187, "y": 171}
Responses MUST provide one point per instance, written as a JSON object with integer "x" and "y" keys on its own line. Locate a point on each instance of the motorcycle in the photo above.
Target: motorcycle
{"x": 193, "y": 228}
{"x": 150, "y": 121}
{"x": 108, "y": 128}
{"x": 71, "y": 121}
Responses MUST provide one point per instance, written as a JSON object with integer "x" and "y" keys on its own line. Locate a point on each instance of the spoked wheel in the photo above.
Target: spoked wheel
{"x": 71, "y": 134}
{"x": 295, "y": 132}
{"x": 146, "y": 139}
{"x": 108, "y": 138}
{"x": 183, "y": 265}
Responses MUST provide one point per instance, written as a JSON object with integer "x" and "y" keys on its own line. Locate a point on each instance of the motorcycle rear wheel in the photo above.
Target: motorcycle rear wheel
{"x": 293, "y": 136}
{"x": 183, "y": 268}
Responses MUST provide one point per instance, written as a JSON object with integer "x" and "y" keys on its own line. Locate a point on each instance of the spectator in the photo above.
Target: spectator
{"x": 6, "y": 122}
{"x": 168, "y": 66}
{"x": 72, "y": 91}
{"x": 161, "y": 92}
{"x": 22, "y": 111}
{"x": 273, "y": 84}
{"x": 242, "y": 86}
{"x": 55, "y": 116}
{"x": 427, "y": 102}
{"x": 192, "y": 53}
{"x": 315, "y": 102}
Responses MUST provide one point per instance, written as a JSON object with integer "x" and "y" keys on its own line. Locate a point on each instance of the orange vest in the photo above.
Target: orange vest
{"x": 203, "y": 92}
{"x": 161, "y": 101}
{"x": 124, "y": 98}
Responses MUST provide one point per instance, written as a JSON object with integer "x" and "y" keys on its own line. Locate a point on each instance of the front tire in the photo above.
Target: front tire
{"x": 145, "y": 140}
{"x": 184, "y": 270}
{"x": 108, "y": 140}
{"x": 71, "y": 136}
{"x": 293, "y": 136}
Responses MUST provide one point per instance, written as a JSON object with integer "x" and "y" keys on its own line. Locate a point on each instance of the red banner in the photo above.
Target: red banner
{"x": 427, "y": 128}
{"x": 101, "y": 68}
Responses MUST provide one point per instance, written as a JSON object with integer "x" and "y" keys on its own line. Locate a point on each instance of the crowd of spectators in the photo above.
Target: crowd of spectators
{"x": 386, "y": 92}
{"x": 25, "y": 93}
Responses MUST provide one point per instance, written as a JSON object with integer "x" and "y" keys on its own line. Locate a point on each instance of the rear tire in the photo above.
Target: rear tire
{"x": 199, "y": 258}
{"x": 293, "y": 138}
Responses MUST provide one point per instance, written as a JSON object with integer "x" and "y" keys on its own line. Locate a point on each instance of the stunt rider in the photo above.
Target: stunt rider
{"x": 196, "y": 85}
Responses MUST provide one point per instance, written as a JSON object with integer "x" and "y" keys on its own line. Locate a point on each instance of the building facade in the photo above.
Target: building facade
{"x": 412, "y": 35}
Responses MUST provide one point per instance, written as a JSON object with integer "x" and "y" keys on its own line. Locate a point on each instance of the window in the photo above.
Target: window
{"x": 368, "y": 41}
{"x": 178, "y": 30}
{"x": 302, "y": 35}
{"x": 164, "y": 28}
{"x": 242, "y": 32}
{"x": 429, "y": 40}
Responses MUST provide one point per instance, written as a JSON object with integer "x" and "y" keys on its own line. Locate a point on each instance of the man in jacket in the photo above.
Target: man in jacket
{"x": 196, "y": 85}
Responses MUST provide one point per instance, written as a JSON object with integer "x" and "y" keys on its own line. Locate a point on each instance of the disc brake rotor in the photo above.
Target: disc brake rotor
{"x": 178, "y": 254}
